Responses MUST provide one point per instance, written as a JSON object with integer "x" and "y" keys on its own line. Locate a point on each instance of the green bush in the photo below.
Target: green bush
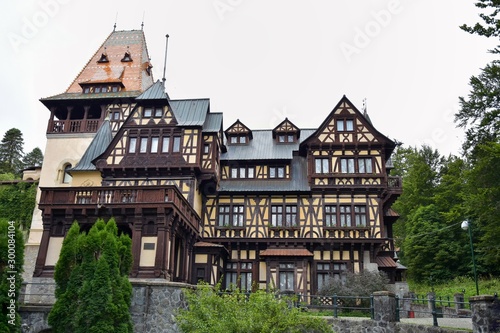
{"x": 212, "y": 311}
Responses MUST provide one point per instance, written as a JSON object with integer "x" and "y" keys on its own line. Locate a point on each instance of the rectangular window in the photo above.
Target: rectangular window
{"x": 323, "y": 274}
{"x": 243, "y": 139}
{"x": 86, "y": 90}
{"x": 284, "y": 216}
{"x": 104, "y": 89}
{"x": 238, "y": 217}
{"x": 158, "y": 112}
{"x": 251, "y": 172}
{"x": 97, "y": 90}
{"x": 345, "y": 125}
{"x": 206, "y": 148}
{"x": 233, "y": 139}
{"x": 243, "y": 173}
{"x": 291, "y": 138}
{"x": 177, "y": 144}
{"x": 231, "y": 216}
{"x": 144, "y": 145}
{"x": 322, "y": 165}
{"x": 154, "y": 144}
{"x": 287, "y": 277}
{"x": 281, "y": 138}
{"x": 234, "y": 173}
{"x": 116, "y": 115}
{"x": 241, "y": 272}
{"x": 272, "y": 172}
{"x": 148, "y": 112}
{"x": 114, "y": 88}
{"x": 347, "y": 165}
{"x": 132, "y": 145}
{"x": 165, "y": 146}
{"x": 345, "y": 216}
{"x": 360, "y": 216}
{"x": 276, "y": 172}
{"x": 224, "y": 214}
{"x": 277, "y": 216}
{"x": 365, "y": 165}
{"x": 330, "y": 218}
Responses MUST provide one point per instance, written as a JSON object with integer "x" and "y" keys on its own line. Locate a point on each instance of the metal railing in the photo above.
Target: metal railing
{"x": 359, "y": 306}
{"x": 434, "y": 307}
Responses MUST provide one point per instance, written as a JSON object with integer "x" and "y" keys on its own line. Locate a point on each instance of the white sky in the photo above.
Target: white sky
{"x": 260, "y": 61}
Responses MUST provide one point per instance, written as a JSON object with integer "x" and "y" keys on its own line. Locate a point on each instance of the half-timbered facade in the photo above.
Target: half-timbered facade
{"x": 285, "y": 208}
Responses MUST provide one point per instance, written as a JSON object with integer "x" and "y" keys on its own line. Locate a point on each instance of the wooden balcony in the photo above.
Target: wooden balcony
{"x": 119, "y": 197}
{"x": 73, "y": 126}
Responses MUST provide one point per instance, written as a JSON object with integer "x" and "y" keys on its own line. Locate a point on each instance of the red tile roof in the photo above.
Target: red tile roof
{"x": 132, "y": 75}
{"x": 386, "y": 262}
{"x": 286, "y": 253}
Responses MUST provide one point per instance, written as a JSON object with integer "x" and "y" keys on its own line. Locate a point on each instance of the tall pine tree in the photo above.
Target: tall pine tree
{"x": 11, "y": 152}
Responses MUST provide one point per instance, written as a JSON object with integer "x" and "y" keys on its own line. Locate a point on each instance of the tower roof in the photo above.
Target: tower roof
{"x": 123, "y": 59}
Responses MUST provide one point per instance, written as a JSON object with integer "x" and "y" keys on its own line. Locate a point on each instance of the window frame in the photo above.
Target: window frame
{"x": 345, "y": 125}
{"x": 231, "y": 216}
{"x": 320, "y": 164}
{"x": 284, "y": 216}
{"x": 274, "y": 172}
{"x": 347, "y": 165}
{"x": 345, "y": 216}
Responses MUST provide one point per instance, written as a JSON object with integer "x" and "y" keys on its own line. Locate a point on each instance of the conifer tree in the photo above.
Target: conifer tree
{"x": 92, "y": 288}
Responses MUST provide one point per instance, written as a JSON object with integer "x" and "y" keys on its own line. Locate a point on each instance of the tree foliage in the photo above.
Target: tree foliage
{"x": 33, "y": 158}
{"x": 490, "y": 26}
{"x": 17, "y": 202}
{"x": 11, "y": 267}
{"x": 93, "y": 292}
{"x": 479, "y": 114}
{"x": 212, "y": 311}
{"x": 11, "y": 151}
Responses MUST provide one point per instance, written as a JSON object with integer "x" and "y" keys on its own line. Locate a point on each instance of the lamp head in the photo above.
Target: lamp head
{"x": 465, "y": 225}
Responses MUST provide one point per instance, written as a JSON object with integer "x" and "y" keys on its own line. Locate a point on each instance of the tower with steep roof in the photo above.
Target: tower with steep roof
{"x": 102, "y": 94}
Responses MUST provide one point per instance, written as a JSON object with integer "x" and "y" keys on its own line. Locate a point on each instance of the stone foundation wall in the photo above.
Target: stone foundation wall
{"x": 369, "y": 326}
{"x": 154, "y": 304}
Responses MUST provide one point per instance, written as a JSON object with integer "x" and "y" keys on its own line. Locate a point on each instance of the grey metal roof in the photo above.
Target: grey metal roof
{"x": 213, "y": 123}
{"x": 190, "y": 112}
{"x": 65, "y": 96}
{"x": 155, "y": 92}
{"x": 264, "y": 147}
{"x": 297, "y": 182}
{"x": 98, "y": 145}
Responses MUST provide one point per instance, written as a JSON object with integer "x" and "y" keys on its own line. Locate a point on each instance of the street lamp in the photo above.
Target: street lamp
{"x": 465, "y": 226}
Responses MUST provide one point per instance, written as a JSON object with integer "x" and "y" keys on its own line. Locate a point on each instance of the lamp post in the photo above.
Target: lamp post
{"x": 465, "y": 226}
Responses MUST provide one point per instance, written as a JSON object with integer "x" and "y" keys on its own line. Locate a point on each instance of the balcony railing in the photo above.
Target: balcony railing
{"x": 117, "y": 197}
{"x": 73, "y": 126}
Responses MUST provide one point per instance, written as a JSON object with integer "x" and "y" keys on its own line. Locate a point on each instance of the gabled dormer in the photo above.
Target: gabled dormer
{"x": 238, "y": 134}
{"x": 286, "y": 132}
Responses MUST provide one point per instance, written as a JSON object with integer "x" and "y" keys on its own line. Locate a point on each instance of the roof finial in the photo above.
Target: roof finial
{"x": 142, "y": 24}
{"x": 365, "y": 107}
{"x": 116, "y": 19}
{"x": 165, "y": 62}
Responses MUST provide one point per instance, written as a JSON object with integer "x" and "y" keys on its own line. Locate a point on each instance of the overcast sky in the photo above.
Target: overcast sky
{"x": 260, "y": 61}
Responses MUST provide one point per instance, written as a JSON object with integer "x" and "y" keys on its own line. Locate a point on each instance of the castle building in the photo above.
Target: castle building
{"x": 284, "y": 208}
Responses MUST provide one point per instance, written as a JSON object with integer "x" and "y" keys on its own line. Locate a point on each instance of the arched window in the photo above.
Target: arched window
{"x": 67, "y": 177}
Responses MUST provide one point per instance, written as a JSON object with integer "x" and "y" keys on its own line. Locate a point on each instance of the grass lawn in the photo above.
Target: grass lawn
{"x": 457, "y": 285}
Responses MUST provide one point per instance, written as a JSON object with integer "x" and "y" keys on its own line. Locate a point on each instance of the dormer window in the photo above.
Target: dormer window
{"x": 238, "y": 134}
{"x": 103, "y": 59}
{"x": 286, "y": 132}
{"x": 127, "y": 57}
{"x": 238, "y": 139}
{"x": 150, "y": 112}
{"x": 100, "y": 88}
{"x": 286, "y": 138}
